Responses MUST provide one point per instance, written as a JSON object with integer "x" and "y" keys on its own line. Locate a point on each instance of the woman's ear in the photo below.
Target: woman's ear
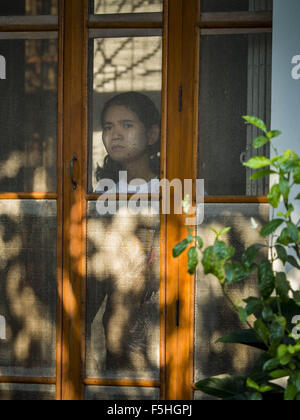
{"x": 153, "y": 134}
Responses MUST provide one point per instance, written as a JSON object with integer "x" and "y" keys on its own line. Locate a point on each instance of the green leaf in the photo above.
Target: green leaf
{"x": 277, "y": 328}
{"x": 296, "y": 380}
{"x": 246, "y": 337}
{"x": 280, "y": 373}
{"x": 271, "y": 365}
{"x": 258, "y": 162}
{"x": 290, "y": 392}
{"x": 274, "y": 196}
{"x": 193, "y": 260}
{"x": 262, "y": 174}
{"x": 180, "y": 248}
{"x": 235, "y": 272}
{"x": 261, "y": 330}
{"x": 284, "y": 188}
{"x": 220, "y": 249}
{"x": 293, "y": 231}
{"x": 224, "y": 231}
{"x": 252, "y": 384}
{"x": 256, "y": 396}
{"x": 266, "y": 279}
{"x": 281, "y": 253}
{"x": 292, "y": 260}
{"x": 282, "y": 286}
{"x": 223, "y": 386}
{"x": 212, "y": 264}
{"x": 254, "y": 306}
{"x": 284, "y": 238}
{"x": 274, "y": 133}
{"x": 260, "y": 142}
{"x": 199, "y": 241}
{"x": 243, "y": 315}
{"x": 296, "y": 175}
{"x": 256, "y": 122}
{"x": 250, "y": 255}
{"x": 271, "y": 227}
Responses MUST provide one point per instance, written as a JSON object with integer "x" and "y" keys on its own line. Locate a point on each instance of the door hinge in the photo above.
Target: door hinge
{"x": 180, "y": 99}
{"x": 177, "y": 312}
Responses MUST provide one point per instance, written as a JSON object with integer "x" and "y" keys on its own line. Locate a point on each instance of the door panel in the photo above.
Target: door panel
{"x": 28, "y": 118}
{"x": 28, "y": 288}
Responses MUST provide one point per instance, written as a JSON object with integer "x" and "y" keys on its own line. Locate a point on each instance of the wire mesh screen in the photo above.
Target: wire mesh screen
{"x": 125, "y": 6}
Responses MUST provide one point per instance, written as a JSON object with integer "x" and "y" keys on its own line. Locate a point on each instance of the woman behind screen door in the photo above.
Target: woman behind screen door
{"x": 128, "y": 293}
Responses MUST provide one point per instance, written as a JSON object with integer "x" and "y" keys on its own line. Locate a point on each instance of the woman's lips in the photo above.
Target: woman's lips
{"x": 117, "y": 148}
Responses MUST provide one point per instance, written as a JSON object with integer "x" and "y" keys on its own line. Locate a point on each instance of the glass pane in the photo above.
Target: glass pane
{"x": 27, "y": 288}
{"x": 214, "y": 317}
{"x": 125, "y": 6}
{"x": 16, "y": 392}
{"x": 125, "y": 102}
{"x": 28, "y": 114}
{"x": 235, "y": 80}
{"x": 97, "y": 393}
{"x": 123, "y": 304}
{"x": 28, "y": 7}
{"x": 236, "y": 5}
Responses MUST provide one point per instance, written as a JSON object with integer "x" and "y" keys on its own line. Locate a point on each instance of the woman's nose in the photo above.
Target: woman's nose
{"x": 116, "y": 133}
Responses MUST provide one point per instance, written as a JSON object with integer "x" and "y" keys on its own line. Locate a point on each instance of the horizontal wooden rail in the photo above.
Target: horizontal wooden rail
{"x": 28, "y": 196}
{"x": 27, "y": 381}
{"x": 236, "y": 199}
{"x": 122, "y": 382}
{"x": 236, "y": 19}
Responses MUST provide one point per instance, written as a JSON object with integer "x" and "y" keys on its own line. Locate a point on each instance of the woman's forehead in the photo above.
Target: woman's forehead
{"x": 120, "y": 113}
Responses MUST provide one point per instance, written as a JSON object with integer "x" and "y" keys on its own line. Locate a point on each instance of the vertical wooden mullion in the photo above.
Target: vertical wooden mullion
{"x": 74, "y": 201}
{"x": 189, "y": 135}
{"x": 163, "y": 223}
{"x": 189, "y": 131}
{"x": 182, "y": 164}
{"x": 173, "y": 227}
{"x": 59, "y": 316}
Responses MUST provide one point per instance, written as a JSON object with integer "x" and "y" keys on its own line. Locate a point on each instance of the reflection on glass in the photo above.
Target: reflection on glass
{"x": 28, "y": 116}
{"x": 236, "y": 5}
{"x": 28, "y": 7}
{"x": 97, "y": 393}
{"x": 17, "y": 392}
{"x": 235, "y": 80}
{"x": 126, "y": 6}
{"x": 214, "y": 317}
{"x": 27, "y": 288}
{"x": 123, "y": 310}
{"x": 125, "y": 109}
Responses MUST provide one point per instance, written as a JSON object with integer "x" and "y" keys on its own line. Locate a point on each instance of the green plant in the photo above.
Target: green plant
{"x": 276, "y": 308}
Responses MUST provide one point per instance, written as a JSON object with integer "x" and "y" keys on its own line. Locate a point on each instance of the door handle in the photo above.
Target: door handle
{"x": 74, "y": 183}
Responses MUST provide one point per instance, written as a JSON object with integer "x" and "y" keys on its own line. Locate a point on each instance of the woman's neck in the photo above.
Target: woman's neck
{"x": 138, "y": 169}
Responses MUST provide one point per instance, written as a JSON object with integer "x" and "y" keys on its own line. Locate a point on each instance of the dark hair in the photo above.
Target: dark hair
{"x": 148, "y": 114}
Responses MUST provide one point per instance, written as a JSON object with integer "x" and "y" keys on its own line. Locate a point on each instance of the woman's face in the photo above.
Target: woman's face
{"x": 124, "y": 135}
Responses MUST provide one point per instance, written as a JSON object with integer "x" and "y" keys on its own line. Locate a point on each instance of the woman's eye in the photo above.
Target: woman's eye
{"x": 128, "y": 125}
{"x": 107, "y": 128}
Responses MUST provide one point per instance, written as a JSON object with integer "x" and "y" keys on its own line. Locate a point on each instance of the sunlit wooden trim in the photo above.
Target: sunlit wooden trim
{"x": 122, "y": 382}
{"x": 236, "y": 19}
{"x": 28, "y": 196}
{"x": 122, "y": 197}
{"x": 27, "y": 381}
